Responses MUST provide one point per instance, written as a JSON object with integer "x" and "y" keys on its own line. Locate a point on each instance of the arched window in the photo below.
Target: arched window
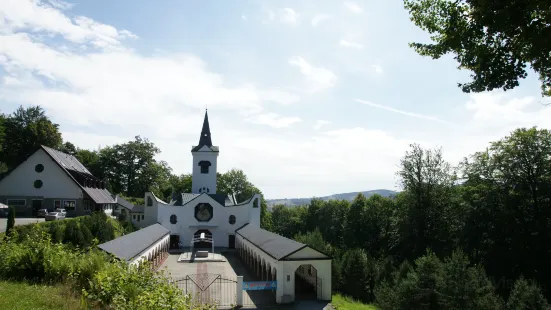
{"x": 149, "y": 201}
{"x": 204, "y": 164}
{"x": 173, "y": 219}
{"x": 232, "y": 219}
{"x": 255, "y": 203}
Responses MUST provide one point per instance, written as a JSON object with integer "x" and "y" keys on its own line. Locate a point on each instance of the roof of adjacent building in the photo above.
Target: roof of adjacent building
{"x": 272, "y": 244}
{"x": 129, "y": 246}
{"x": 128, "y": 205}
{"x": 66, "y": 161}
{"x": 76, "y": 170}
{"x": 181, "y": 199}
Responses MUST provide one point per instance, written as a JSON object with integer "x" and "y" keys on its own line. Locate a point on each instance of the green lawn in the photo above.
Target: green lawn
{"x": 346, "y": 303}
{"x": 24, "y": 296}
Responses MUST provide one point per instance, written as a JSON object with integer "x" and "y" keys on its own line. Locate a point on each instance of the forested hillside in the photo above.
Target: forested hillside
{"x": 344, "y": 196}
{"x": 476, "y": 236}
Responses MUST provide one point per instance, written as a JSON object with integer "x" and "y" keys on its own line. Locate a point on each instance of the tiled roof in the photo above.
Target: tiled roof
{"x": 129, "y": 246}
{"x": 138, "y": 209}
{"x": 272, "y": 244}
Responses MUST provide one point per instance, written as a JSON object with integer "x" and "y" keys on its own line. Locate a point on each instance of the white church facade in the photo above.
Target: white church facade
{"x": 203, "y": 210}
{"x": 205, "y": 219}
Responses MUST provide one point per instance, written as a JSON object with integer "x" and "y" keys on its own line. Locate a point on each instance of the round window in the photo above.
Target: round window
{"x": 173, "y": 219}
{"x": 232, "y": 219}
{"x": 37, "y": 184}
{"x": 39, "y": 168}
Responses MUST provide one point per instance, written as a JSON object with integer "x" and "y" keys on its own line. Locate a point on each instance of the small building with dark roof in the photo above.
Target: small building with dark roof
{"x": 146, "y": 244}
{"x": 50, "y": 179}
{"x": 292, "y": 264}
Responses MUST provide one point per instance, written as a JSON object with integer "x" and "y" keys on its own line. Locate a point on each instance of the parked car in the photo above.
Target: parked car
{"x": 55, "y": 215}
{"x": 42, "y": 212}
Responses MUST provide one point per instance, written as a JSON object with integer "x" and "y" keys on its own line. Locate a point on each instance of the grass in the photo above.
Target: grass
{"x": 24, "y": 296}
{"x": 341, "y": 302}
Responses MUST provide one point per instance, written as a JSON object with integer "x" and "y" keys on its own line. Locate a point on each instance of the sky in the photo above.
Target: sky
{"x": 308, "y": 98}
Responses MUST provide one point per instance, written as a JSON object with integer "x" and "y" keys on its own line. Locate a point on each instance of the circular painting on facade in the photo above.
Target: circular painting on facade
{"x": 203, "y": 212}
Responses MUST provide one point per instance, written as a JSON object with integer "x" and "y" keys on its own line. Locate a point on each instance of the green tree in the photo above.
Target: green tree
{"x": 68, "y": 148}
{"x": 90, "y": 160}
{"x": 424, "y": 216}
{"x": 3, "y": 166}
{"x": 25, "y": 130}
{"x": 496, "y": 40}
{"x": 506, "y": 203}
{"x": 131, "y": 168}
{"x": 526, "y": 295}
{"x": 11, "y": 220}
{"x": 355, "y": 222}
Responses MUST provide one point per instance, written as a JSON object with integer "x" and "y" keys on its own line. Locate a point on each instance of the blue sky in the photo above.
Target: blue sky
{"x": 309, "y": 98}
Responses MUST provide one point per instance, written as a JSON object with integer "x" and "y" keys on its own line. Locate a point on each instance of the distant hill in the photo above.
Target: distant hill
{"x": 346, "y": 196}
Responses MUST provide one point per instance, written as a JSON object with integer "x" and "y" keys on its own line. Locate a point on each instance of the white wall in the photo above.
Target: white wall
{"x": 219, "y": 225}
{"x": 56, "y": 182}
{"x": 199, "y": 179}
{"x": 288, "y": 268}
{"x": 149, "y": 252}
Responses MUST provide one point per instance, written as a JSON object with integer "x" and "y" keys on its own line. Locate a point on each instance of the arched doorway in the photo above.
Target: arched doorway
{"x": 307, "y": 283}
{"x": 202, "y": 244}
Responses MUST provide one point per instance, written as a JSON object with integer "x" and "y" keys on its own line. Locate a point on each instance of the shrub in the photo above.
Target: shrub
{"x": 11, "y": 220}
{"x": 112, "y": 284}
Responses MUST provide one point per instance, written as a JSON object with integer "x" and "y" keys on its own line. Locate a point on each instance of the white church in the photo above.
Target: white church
{"x": 203, "y": 210}
{"x": 205, "y": 219}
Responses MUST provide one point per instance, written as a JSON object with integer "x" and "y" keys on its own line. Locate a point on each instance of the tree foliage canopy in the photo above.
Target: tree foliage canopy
{"x": 496, "y": 40}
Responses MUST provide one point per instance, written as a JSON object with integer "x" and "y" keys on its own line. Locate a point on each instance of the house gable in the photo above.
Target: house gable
{"x": 55, "y": 181}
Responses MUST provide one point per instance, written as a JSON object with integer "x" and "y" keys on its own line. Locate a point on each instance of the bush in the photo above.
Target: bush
{"x": 112, "y": 284}
{"x": 79, "y": 232}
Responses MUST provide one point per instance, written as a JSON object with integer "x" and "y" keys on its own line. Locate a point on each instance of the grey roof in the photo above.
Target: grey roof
{"x": 66, "y": 161}
{"x": 220, "y": 198}
{"x": 129, "y": 246}
{"x": 75, "y": 169}
{"x": 272, "y": 244}
{"x": 138, "y": 209}
{"x": 99, "y": 195}
{"x": 124, "y": 203}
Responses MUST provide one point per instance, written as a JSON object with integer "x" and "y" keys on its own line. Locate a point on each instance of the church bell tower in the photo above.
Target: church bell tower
{"x": 205, "y": 156}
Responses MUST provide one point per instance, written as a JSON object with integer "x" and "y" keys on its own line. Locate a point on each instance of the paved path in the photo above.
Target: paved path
{"x": 18, "y": 221}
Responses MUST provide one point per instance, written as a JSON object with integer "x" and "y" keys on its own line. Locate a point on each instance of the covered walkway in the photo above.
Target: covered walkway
{"x": 295, "y": 266}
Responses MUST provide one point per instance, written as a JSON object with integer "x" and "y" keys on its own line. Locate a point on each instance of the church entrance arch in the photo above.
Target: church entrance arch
{"x": 200, "y": 244}
{"x": 307, "y": 283}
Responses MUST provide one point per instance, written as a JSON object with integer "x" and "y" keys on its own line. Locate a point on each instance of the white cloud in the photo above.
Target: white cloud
{"x": 321, "y": 123}
{"x": 320, "y": 18}
{"x": 38, "y": 16}
{"x": 274, "y": 120}
{"x": 353, "y": 7}
{"x": 377, "y": 68}
{"x": 391, "y": 109}
{"x": 284, "y": 16}
{"x": 349, "y": 44}
{"x": 319, "y": 78}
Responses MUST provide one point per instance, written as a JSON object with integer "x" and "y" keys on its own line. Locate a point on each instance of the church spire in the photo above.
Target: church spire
{"x": 205, "y": 132}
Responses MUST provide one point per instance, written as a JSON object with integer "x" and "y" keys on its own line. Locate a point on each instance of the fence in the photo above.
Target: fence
{"x": 209, "y": 288}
